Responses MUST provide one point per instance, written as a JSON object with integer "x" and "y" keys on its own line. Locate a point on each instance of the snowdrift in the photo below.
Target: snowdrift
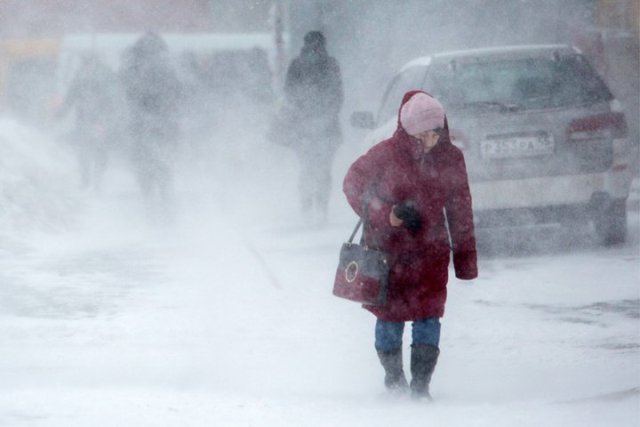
{"x": 36, "y": 180}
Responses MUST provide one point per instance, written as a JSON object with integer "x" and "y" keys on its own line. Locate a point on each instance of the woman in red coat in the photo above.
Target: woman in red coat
{"x": 414, "y": 189}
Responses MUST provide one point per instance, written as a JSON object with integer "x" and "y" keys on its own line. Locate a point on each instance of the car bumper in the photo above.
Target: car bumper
{"x": 544, "y": 192}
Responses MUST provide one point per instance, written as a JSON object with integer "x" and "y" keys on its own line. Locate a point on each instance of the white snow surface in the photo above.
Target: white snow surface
{"x": 226, "y": 317}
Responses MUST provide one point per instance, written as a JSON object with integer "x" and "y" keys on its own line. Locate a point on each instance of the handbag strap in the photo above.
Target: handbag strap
{"x": 355, "y": 230}
{"x": 362, "y": 220}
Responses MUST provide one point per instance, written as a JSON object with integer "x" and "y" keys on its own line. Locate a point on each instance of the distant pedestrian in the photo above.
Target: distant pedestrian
{"x": 415, "y": 189}
{"x": 314, "y": 97}
{"x": 154, "y": 96}
{"x": 93, "y": 96}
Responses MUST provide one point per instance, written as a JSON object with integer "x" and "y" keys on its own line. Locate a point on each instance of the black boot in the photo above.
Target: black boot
{"x": 423, "y": 362}
{"x": 394, "y": 378}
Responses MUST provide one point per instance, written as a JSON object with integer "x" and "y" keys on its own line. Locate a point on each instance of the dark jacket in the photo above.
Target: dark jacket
{"x": 93, "y": 94}
{"x": 152, "y": 88}
{"x": 314, "y": 94}
{"x": 396, "y": 171}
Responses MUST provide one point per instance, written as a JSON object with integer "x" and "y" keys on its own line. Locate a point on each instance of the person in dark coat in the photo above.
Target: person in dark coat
{"x": 416, "y": 191}
{"x": 93, "y": 96}
{"x": 154, "y": 95}
{"x": 314, "y": 97}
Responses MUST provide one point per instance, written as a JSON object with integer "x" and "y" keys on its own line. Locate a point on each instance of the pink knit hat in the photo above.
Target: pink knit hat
{"x": 421, "y": 113}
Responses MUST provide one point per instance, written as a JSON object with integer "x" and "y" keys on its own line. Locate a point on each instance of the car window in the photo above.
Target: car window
{"x": 542, "y": 82}
{"x": 410, "y": 79}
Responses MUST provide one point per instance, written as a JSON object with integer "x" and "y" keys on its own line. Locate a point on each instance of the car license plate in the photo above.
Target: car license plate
{"x": 517, "y": 146}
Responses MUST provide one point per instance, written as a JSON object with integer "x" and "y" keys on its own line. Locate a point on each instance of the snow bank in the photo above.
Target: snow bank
{"x": 36, "y": 180}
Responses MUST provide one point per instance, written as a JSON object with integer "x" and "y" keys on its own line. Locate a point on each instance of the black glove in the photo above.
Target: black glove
{"x": 409, "y": 215}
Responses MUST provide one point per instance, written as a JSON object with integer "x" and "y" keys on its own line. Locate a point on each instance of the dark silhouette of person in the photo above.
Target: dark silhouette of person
{"x": 93, "y": 96}
{"x": 154, "y": 93}
{"x": 314, "y": 97}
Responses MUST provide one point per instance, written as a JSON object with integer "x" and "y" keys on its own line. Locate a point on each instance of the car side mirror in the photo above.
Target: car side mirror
{"x": 363, "y": 120}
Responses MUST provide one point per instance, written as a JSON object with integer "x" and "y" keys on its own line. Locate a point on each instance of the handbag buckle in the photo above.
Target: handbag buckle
{"x": 351, "y": 271}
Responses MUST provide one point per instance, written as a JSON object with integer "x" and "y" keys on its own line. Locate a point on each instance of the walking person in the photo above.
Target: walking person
{"x": 154, "y": 95}
{"x": 417, "y": 198}
{"x": 314, "y": 97}
{"x": 93, "y": 96}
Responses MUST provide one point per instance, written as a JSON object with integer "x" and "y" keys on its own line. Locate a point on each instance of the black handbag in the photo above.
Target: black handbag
{"x": 362, "y": 274}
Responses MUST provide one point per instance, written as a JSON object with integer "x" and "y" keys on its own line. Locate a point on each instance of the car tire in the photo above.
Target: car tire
{"x": 610, "y": 223}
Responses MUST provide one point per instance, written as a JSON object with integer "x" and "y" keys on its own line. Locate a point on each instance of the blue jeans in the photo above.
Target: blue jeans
{"x": 423, "y": 331}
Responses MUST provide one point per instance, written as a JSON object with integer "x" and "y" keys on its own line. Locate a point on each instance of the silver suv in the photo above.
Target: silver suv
{"x": 544, "y": 138}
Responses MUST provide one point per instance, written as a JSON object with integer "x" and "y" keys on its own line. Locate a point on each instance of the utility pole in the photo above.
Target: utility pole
{"x": 278, "y": 18}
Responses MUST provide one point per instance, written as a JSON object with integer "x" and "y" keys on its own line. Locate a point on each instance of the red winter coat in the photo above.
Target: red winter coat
{"x": 394, "y": 171}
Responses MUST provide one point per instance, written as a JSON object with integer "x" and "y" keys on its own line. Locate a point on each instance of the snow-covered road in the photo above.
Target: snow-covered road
{"x": 226, "y": 318}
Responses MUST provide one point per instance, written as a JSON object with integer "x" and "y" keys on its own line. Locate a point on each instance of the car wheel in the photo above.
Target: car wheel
{"x": 610, "y": 223}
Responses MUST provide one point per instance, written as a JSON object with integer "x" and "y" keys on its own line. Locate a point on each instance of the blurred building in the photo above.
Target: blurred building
{"x": 370, "y": 38}
{"x": 46, "y": 18}
{"x": 35, "y": 35}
